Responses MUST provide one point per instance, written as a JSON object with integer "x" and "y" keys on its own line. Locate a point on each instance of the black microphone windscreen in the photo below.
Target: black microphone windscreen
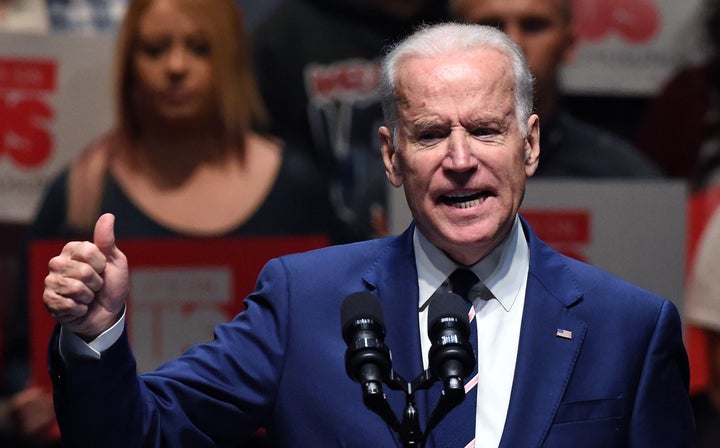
{"x": 361, "y": 305}
{"x": 447, "y": 304}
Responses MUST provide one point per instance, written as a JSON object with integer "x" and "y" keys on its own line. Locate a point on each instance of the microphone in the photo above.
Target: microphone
{"x": 451, "y": 356}
{"x": 367, "y": 359}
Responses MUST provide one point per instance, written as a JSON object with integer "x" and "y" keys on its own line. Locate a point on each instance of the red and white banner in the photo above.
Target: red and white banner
{"x": 632, "y": 46}
{"x": 55, "y": 96}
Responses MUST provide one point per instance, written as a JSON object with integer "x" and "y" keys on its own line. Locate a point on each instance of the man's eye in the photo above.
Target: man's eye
{"x": 483, "y": 132}
{"x": 427, "y": 137}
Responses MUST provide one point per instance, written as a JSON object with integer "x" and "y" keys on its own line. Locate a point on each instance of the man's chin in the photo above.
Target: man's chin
{"x": 468, "y": 248}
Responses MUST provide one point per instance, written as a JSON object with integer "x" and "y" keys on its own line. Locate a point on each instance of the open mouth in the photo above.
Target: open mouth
{"x": 464, "y": 199}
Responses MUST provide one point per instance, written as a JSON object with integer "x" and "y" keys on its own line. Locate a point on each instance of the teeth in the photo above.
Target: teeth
{"x": 464, "y": 199}
{"x": 467, "y": 204}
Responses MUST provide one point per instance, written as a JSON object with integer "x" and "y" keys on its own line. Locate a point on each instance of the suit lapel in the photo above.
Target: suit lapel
{"x": 545, "y": 359}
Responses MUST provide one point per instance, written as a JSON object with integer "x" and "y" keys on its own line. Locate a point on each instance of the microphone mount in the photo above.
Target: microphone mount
{"x": 409, "y": 429}
{"x": 368, "y": 362}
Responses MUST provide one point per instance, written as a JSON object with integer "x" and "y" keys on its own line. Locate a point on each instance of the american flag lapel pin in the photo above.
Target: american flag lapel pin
{"x": 565, "y": 334}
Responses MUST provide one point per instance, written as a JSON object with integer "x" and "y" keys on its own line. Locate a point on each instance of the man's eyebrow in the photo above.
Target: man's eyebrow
{"x": 500, "y": 121}
{"x": 427, "y": 122}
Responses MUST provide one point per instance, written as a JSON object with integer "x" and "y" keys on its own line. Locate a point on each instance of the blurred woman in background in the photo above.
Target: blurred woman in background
{"x": 186, "y": 157}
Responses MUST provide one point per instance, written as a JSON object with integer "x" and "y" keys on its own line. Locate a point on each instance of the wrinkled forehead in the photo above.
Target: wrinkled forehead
{"x": 468, "y": 89}
{"x": 461, "y": 72}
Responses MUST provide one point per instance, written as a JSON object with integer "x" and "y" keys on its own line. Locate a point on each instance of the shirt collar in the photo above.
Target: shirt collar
{"x": 503, "y": 271}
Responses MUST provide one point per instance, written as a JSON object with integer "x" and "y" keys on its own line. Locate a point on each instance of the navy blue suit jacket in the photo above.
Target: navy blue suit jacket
{"x": 622, "y": 380}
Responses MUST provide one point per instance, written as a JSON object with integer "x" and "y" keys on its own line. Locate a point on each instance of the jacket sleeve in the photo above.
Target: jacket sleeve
{"x": 215, "y": 394}
{"x": 662, "y": 415}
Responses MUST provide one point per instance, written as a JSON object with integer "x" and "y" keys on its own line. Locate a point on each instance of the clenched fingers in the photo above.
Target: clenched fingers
{"x": 62, "y": 309}
{"x": 73, "y": 280}
{"x": 85, "y": 252}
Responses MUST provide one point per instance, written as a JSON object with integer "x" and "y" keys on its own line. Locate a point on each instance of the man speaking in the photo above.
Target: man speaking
{"x": 566, "y": 355}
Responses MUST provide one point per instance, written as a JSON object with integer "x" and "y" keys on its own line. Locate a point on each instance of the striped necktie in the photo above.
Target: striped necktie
{"x": 458, "y": 428}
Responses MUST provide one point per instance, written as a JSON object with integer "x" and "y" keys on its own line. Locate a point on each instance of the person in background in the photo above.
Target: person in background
{"x": 571, "y": 147}
{"x": 687, "y": 145}
{"x": 317, "y": 63}
{"x": 567, "y": 355}
{"x": 186, "y": 158}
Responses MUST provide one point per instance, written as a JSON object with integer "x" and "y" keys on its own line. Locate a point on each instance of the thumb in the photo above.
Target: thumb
{"x": 104, "y": 235}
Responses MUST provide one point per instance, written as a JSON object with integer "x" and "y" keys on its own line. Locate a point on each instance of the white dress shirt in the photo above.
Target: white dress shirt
{"x": 504, "y": 272}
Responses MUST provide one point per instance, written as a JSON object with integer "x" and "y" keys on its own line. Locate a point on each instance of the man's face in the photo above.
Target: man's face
{"x": 460, "y": 154}
{"x": 542, "y": 28}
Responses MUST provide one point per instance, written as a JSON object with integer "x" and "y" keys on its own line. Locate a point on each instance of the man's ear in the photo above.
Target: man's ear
{"x": 390, "y": 157}
{"x": 532, "y": 145}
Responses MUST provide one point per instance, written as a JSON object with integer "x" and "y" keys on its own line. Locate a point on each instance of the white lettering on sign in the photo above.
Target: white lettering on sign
{"x": 172, "y": 309}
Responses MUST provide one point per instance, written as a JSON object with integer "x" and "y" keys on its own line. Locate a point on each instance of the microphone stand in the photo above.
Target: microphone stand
{"x": 409, "y": 430}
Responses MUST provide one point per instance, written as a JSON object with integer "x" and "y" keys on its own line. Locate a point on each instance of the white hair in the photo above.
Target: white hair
{"x": 454, "y": 38}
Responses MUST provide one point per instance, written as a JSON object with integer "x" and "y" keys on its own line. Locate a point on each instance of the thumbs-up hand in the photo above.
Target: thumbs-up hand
{"x": 88, "y": 283}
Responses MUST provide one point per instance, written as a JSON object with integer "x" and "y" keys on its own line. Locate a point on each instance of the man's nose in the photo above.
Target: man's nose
{"x": 459, "y": 155}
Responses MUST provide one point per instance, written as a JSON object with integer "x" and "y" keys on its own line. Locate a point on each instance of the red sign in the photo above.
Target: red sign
{"x": 180, "y": 289}
{"x": 635, "y": 21}
{"x": 39, "y": 75}
{"x": 349, "y": 79}
{"x": 25, "y": 111}
{"x": 567, "y": 231}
